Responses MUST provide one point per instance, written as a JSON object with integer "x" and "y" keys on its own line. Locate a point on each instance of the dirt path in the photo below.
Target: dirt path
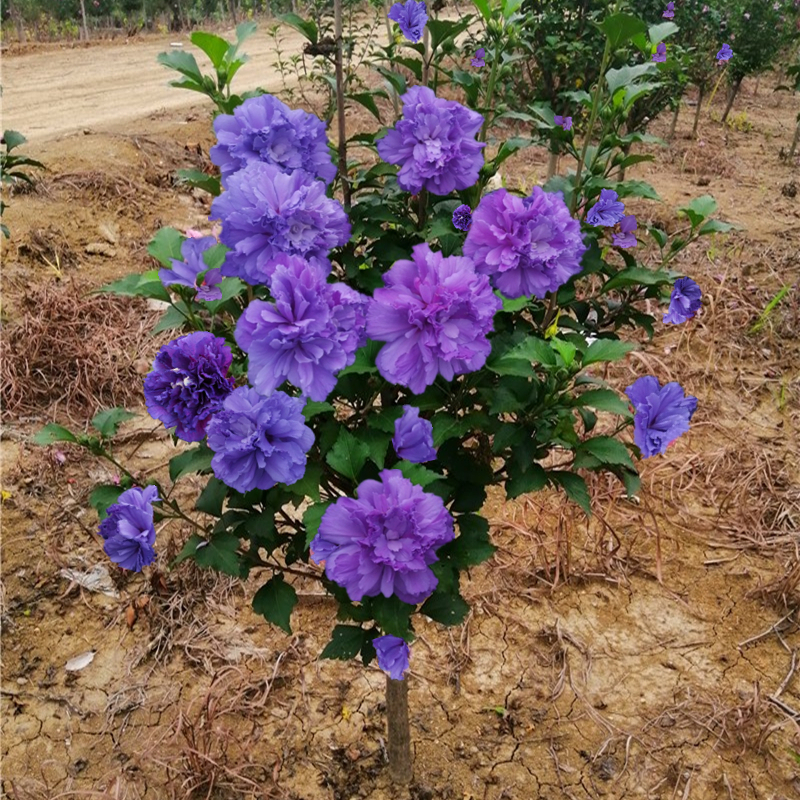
{"x": 52, "y": 93}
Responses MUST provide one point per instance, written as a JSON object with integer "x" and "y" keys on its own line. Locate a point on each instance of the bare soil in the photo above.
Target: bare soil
{"x": 578, "y": 674}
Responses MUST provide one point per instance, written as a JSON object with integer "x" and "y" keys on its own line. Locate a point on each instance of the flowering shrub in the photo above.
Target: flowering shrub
{"x": 369, "y": 337}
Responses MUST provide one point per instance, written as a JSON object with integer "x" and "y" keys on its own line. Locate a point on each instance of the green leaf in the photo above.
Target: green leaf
{"x": 348, "y": 455}
{"x": 566, "y": 350}
{"x": 472, "y": 546}
{"x": 195, "y": 177}
{"x": 574, "y": 486}
{"x": 166, "y": 245}
{"x": 395, "y": 80}
{"x": 367, "y": 100}
{"x": 483, "y": 7}
{"x": 212, "y": 497}
{"x": 220, "y": 554}
{"x": 308, "y": 485}
{"x": 417, "y": 474}
{"x": 631, "y": 481}
{"x": 635, "y": 189}
{"x": 346, "y": 642}
{"x": 173, "y": 317}
{"x": 607, "y": 350}
{"x": 230, "y": 287}
{"x": 699, "y": 209}
{"x": 307, "y": 27}
{"x": 104, "y": 496}
{"x": 604, "y": 400}
{"x": 606, "y": 450}
{"x": 717, "y": 226}
{"x": 198, "y": 459}
{"x": 378, "y": 443}
{"x": 188, "y": 550}
{"x": 446, "y": 426}
{"x": 443, "y": 31}
{"x": 52, "y": 433}
{"x": 392, "y": 614}
{"x": 531, "y": 480}
{"x": 147, "y": 285}
{"x": 535, "y": 350}
{"x": 311, "y": 519}
{"x": 214, "y": 47}
{"x": 109, "y": 420}
{"x": 13, "y": 139}
{"x": 510, "y": 7}
{"x": 182, "y": 62}
{"x": 657, "y": 33}
{"x": 448, "y": 609}
{"x": 275, "y": 601}
{"x": 618, "y": 28}
{"x": 313, "y": 408}
{"x": 636, "y": 275}
{"x": 365, "y": 360}
{"x": 508, "y": 148}
{"x": 509, "y": 306}
{"x": 384, "y": 419}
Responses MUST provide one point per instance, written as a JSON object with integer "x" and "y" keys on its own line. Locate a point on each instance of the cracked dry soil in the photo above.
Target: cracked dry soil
{"x": 609, "y": 684}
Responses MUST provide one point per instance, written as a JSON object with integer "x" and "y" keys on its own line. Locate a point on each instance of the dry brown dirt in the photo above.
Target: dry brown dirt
{"x": 577, "y": 674}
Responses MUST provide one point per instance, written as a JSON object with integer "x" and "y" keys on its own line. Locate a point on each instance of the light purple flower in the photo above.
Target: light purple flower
{"x": 393, "y": 654}
{"x": 435, "y": 313}
{"x": 725, "y": 53}
{"x": 188, "y": 383}
{"x": 478, "y": 58}
{"x": 411, "y": 16}
{"x": 564, "y": 122}
{"x": 310, "y": 333}
{"x": 684, "y": 302}
{"x": 662, "y": 414}
{"x": 128, "y": 529}
{"x": 528, "y": 246}
{"x": 413, "y": 437}
{"x": 626, "y": 237}
{"x": 670, "y": 11}
{"x": 746, "y": 15}
{"x": 189, "y": 271}
{"x": 434, "y": 143}
{"x": 607, "y": 211}
{"x": 385, "y": 541}
{"x": 259, "y": 441}
{"x": 661, "y": 52}
{"x": 462, "y": 217}
{"x": 266, "y": 212}
{"x": 265, "y": 129}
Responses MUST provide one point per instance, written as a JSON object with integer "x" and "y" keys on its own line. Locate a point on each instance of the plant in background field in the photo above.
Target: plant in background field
{"x": 11, "y": 168}
{"x": 367, "y": 369}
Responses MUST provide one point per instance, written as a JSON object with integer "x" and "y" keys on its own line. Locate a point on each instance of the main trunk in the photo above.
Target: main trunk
{"x": 700, "y": 94}
{"x": 731, "y": 98}
{"x": 398, "y": 730}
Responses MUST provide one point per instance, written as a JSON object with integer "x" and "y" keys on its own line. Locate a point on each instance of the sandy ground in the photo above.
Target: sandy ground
{"x": 577, "y": 675}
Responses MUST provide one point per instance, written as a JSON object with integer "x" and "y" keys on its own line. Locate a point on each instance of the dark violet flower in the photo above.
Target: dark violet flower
{"x": 411, "y": 16}
{"x": 564, "y": 122}
{"x": 684, "y": 302}
{"x": 626, "y": 237}
{"x": 413, "y": 437}
{"x": 434, "y": 143}
{"x": 310, "y": 332}
{"x": 662, "y": 414}
{"x": 393, "y": 654}
{"x": 725, "y": 53}
{"x": 385, "y": 541}
{"x": 265, "y": 129}
{"x": 266, "y": 212}
{"x": 259, "y": 441}
{"x": 607, "y": 211}
{"x": 527, "y": 246}
{"x": 188, "y": 383}
{"x": 128, "y": 529}
{"x": 435, "y": 313}
{"x": 462, "y": 217}
{"x": 478, "y": 58}
{"x": 661, "y": 52}
{"x": 669, "y": 13}
{"x": 189, "y": 271}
